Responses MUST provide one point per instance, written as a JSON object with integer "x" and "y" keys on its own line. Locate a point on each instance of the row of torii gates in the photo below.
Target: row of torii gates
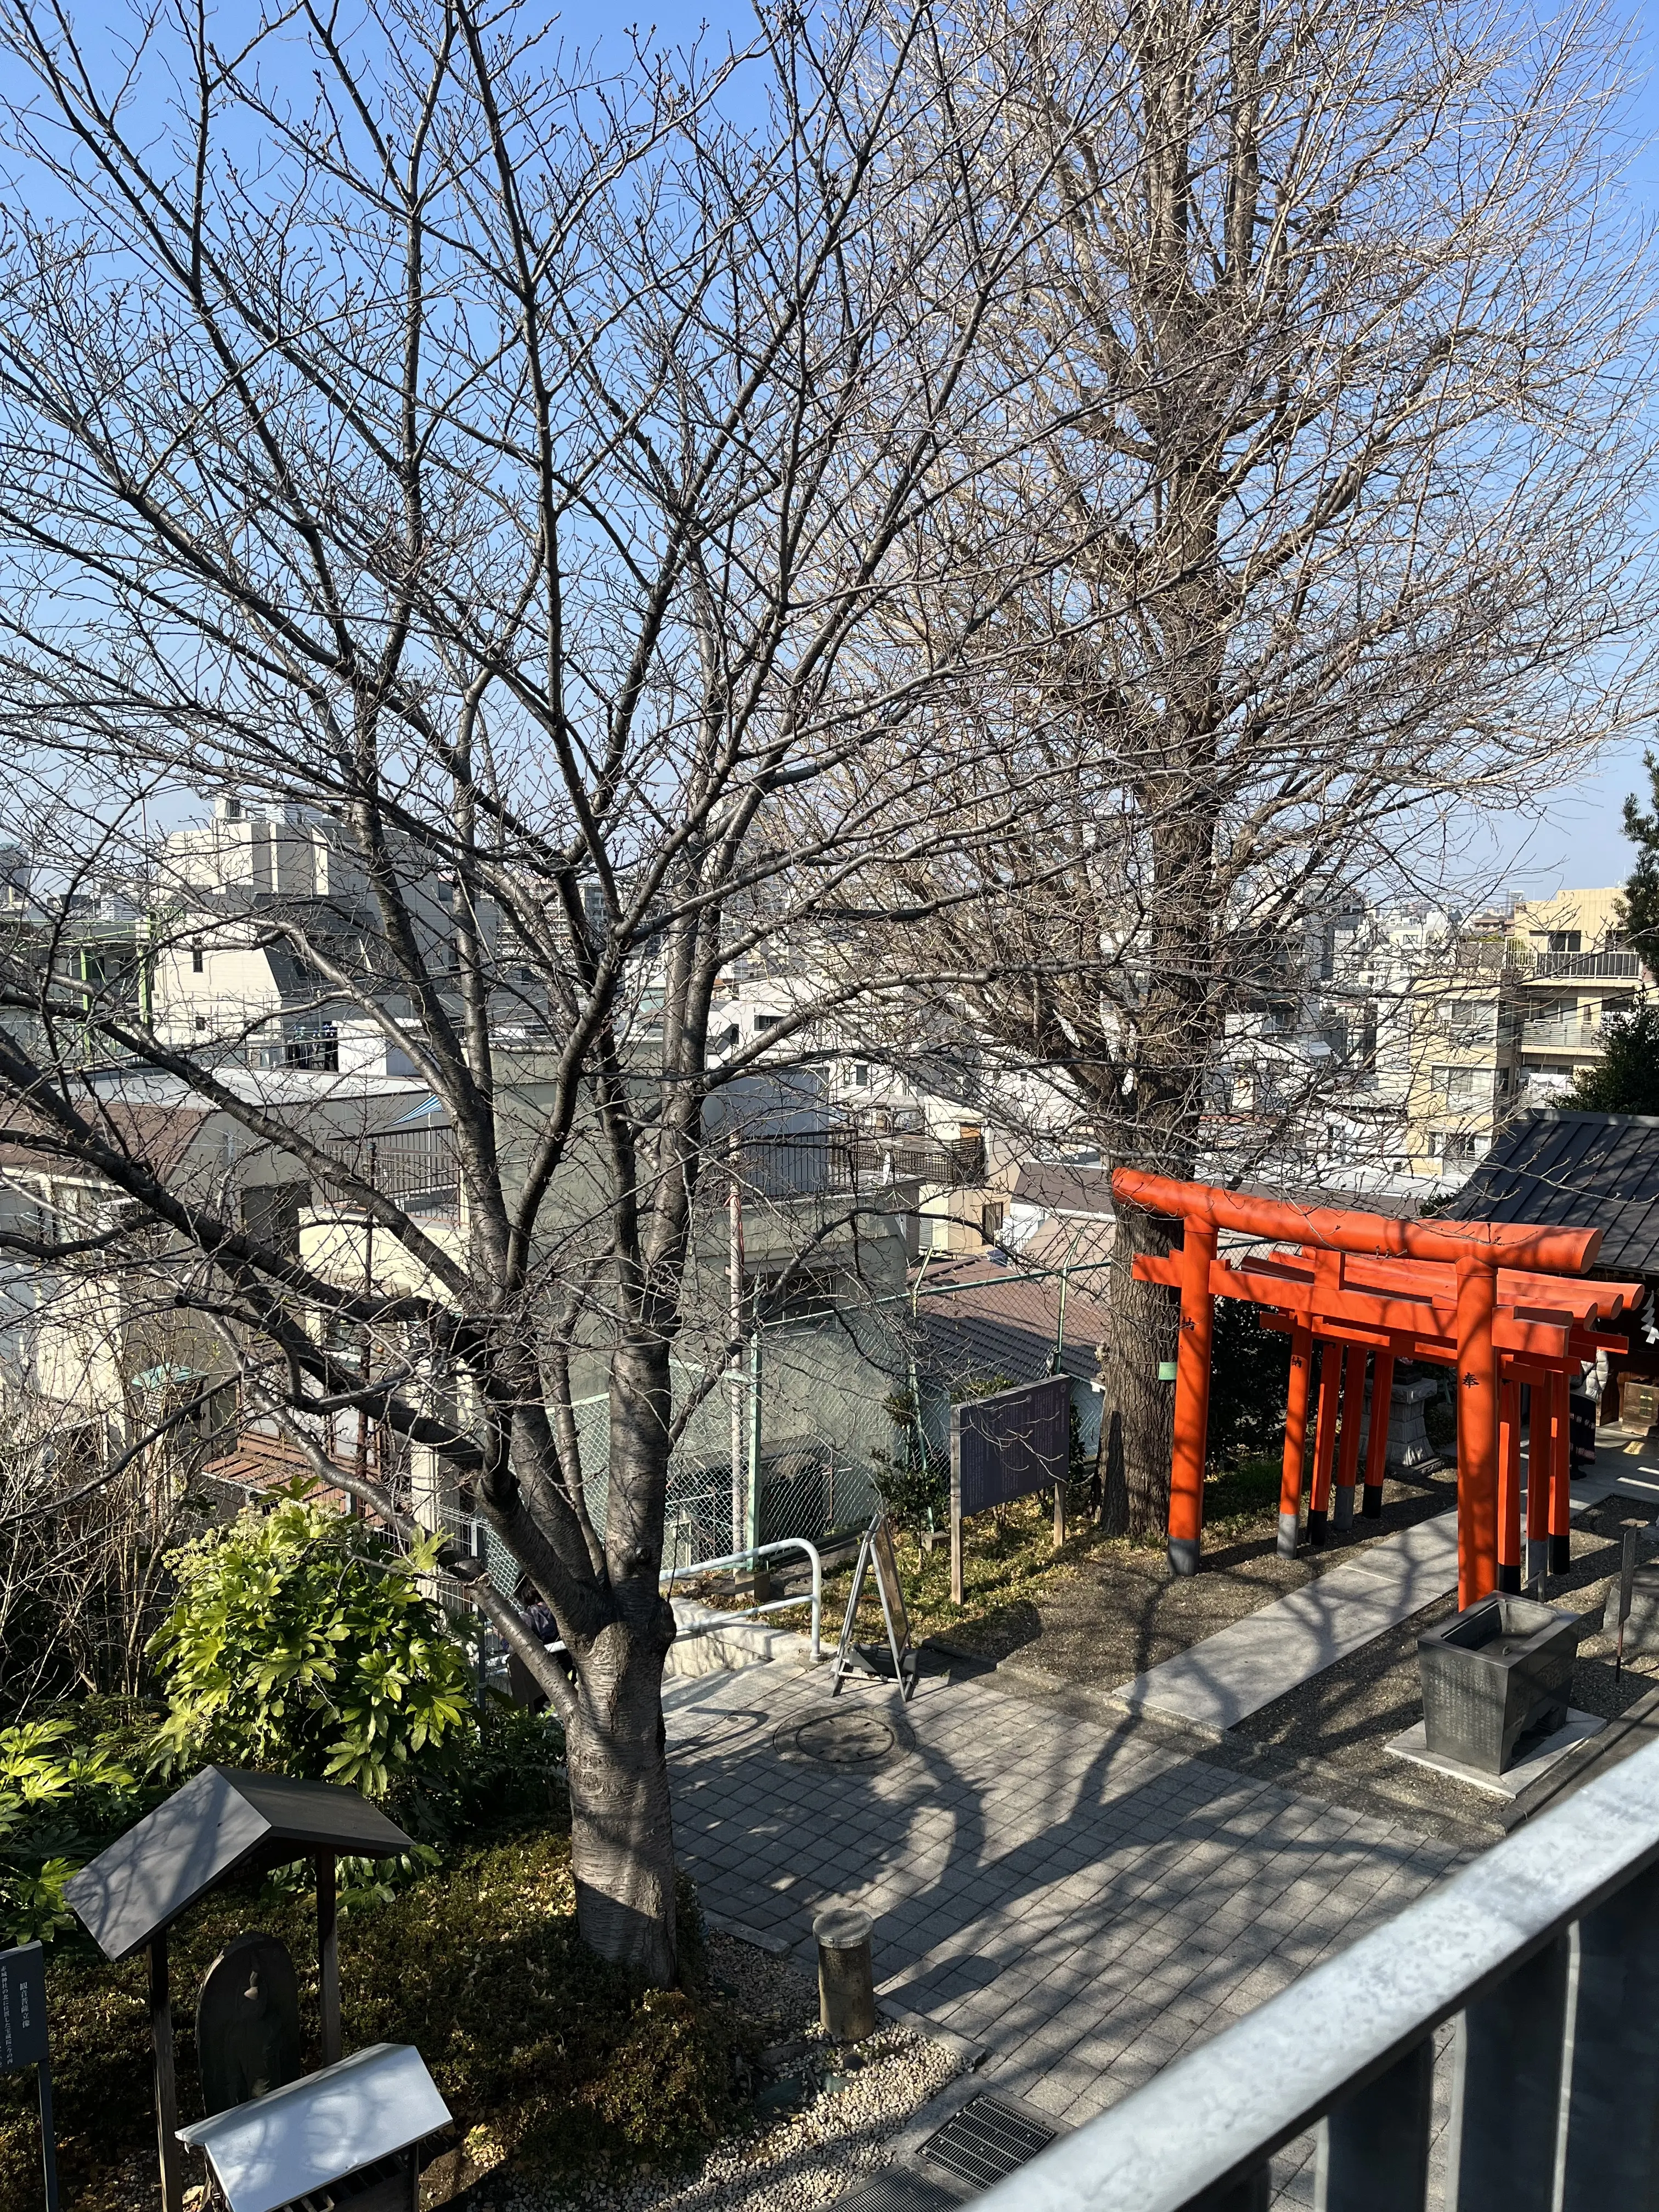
{"x": 1499, "y": 1302}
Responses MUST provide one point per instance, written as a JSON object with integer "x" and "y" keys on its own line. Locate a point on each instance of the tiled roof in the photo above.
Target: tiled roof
{"x": 1578, "y": 1171}
{"x": 984, "y": 1315}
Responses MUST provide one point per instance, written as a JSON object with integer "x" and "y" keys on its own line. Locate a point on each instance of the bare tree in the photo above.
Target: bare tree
{"x": 499, "y": 477}
{"x": 1348, "y": 348}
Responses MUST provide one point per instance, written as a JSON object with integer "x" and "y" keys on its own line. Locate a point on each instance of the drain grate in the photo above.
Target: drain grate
{"x": 986, "y": 2140}
{"x": 899, "y": 2192}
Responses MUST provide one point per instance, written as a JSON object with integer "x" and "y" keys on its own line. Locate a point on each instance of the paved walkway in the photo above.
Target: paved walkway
{"x": 1084, "y": 1901}
{"x": 1215, "y": 1683}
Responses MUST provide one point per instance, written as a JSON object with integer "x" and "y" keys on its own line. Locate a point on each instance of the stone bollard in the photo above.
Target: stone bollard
{"x": 847, "y": 1988}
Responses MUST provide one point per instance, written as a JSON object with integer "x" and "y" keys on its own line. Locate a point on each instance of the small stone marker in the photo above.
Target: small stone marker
{"x": 846, "y": 1991}
{"x": 247, "y": 2023}
{"x": 23, "y": 2041}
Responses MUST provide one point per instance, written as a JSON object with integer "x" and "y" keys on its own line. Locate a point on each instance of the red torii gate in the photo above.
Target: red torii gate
{"x": 1495, "y": 1300}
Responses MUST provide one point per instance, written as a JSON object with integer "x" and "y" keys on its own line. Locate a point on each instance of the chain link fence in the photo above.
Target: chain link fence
{"x": 791, "y": 1442}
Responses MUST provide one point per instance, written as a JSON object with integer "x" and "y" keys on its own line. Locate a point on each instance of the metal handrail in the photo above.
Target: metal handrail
{"x": 1546, "y": 1950}
{"x": 757, "y": 1552}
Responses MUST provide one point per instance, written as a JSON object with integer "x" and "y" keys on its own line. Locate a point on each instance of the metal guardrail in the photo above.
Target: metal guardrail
{"x": 495, "y": 1662}
{"x": 1546, "y": 1951}
{"x": 1608, "y": 967}
{"x": 757, "y": 1553}
{"x": 1566, "y": 1036}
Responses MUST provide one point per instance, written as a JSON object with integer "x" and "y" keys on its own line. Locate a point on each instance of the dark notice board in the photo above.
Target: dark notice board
{"x": 22, "y": 2008}
{"x": 1011, "y": 1444}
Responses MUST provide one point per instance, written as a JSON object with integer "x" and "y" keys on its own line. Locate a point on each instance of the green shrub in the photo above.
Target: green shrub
{"x": 302, "y": 1642}
{"x": 1249, "y": 1383}
{"x": 914, "y": 1489}
{"x": 67, "y": 1787}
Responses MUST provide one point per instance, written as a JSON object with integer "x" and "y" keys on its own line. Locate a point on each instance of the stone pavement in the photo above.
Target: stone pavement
{"x": 1219, "y": 1681}
{"x": 1084, "y": 1901}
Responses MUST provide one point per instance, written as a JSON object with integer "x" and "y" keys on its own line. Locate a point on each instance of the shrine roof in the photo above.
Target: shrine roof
{"x": 219, "y": 1820}
{"x": 1575, "y": 1170}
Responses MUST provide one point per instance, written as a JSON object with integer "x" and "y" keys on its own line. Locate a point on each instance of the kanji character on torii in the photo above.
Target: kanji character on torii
{"x": 1497, "y": 1301}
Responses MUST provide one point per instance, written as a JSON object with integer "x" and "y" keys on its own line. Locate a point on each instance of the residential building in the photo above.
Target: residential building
{"x": 1576, "y": 968}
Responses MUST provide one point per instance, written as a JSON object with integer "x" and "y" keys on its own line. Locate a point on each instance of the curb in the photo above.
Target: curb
{"x": 775, "y": 1946}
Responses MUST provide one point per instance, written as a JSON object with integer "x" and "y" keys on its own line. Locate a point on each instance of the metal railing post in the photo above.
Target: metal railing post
{"x": 1506, "y": 2090}
{"x": 1253, "y": 2194}
{"x": 1374, "y": 2147}
{"x": 1613, "y": 2057}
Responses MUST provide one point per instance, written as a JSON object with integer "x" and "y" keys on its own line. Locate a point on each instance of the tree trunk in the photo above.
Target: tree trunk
{"x": 622, "y": 1835}
{"x": 1138, "y": 1410}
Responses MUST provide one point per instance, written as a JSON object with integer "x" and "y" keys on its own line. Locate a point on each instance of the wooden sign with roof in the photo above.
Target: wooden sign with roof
{"x": 221, "y": 1823}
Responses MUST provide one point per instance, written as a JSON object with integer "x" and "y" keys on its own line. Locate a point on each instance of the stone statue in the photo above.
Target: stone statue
{"x": 247, "y": 2023}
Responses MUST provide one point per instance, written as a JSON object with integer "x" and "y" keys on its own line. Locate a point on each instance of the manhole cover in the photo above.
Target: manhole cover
{"x": 985, "y": 2140}
{"x": 846, "y": 1735}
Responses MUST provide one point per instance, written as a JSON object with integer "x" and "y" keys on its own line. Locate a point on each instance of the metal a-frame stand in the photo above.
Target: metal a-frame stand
{"x": 876, "y": 1550}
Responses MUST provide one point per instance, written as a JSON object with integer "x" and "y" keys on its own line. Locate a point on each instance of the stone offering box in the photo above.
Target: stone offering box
{"x": 1642, "y": 1629}
{"x": 1497, "y": 1672}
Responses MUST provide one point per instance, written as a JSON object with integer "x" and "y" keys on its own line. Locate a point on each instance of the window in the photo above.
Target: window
{"x": 860, "y": 1075}
{"x": 1469, "y": 1019}
{"x": 1566, "y": 940}
{"x": 1456, "y": 1147}
{"x": 767, "y": 1021}
{"x": 197, "y": 962}
{"x": 200, "y": 1024}
{"x": 1456, "y": 1085}
{"x": 991, "y": 1215}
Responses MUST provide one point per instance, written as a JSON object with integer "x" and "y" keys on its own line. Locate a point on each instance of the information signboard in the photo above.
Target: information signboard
{"x": 876, "y": 1550}
{"x": 23, "y": 2040}
{"x": 1004, "y": 1446}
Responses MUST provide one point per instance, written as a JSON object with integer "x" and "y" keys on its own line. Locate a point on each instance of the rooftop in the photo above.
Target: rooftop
{"x": 1578, "y": 1171}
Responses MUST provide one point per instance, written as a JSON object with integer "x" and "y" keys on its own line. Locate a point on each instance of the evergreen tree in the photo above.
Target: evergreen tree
{"x": 1625, "y": 1079}
{"x": 1642, "y": 889}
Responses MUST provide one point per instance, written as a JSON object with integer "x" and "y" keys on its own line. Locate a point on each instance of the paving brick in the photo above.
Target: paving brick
{"x": 1087, "y": 1903}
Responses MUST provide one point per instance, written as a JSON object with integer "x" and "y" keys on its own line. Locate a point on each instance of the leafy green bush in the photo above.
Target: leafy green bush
{"x": 914, "y": 1489}
{"x": 302, "y": 1642}
{"x": 1249, "y": 1383}
{"x": 65, "y": 1790}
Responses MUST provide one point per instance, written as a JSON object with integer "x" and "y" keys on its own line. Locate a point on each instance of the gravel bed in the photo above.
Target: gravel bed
{"x": 856, "y": 2099}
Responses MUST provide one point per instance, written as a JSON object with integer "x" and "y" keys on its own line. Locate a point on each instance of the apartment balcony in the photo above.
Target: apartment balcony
{"x": 1585, "y": 967}
{"x": 1576, "y": 1039}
